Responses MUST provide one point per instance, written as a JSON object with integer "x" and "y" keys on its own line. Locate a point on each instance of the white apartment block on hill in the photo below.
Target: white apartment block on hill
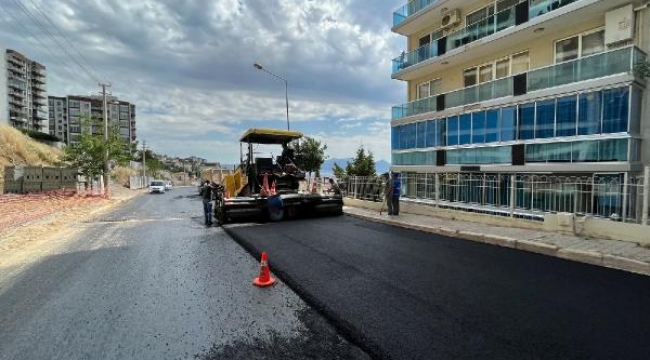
{"x": 23, "y": 92}
{"x": 67, "y": 113}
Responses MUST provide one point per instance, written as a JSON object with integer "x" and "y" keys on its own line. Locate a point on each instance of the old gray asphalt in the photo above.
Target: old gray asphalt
{"x": 150, "y": 282}
{"x": 404, "y": 294}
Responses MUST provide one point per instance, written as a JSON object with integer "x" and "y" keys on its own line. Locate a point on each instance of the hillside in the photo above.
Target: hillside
{"x": 17, "y": 148}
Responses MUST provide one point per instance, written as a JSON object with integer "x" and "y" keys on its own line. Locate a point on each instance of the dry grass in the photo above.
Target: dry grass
{"x": 122, "y": 174}
{"x": 17, "y": 148}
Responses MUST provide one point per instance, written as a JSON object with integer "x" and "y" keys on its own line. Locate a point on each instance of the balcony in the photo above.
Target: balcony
{"x": 37, "y": 72}
{"x": 587, "y": 68}
{"x": 15, "y": 60}
{"x": 16, "y": 101}
{"x": 412, "y": 7}
{"x": 482, "y": 29}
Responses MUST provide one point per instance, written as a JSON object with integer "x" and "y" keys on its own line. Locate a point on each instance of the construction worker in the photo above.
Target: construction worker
{"x": 397, "y": 190}
{"x": 388, "y": 192}
{"x": 334, "y": 187}
{"x": 206, "y": 193}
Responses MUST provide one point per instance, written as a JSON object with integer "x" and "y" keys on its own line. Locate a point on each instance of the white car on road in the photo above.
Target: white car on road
{"x": 157, "y": 186}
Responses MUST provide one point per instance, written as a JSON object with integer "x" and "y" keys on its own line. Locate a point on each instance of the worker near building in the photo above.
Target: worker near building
{"x": 334, "y": 187}
{"x": 396, "y": 192}
{"x": 388, "y": 192}
{"x": 206, "y": 194}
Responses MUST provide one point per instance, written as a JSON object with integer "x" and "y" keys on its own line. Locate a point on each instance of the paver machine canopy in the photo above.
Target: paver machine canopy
{"x": 284, "y": 170}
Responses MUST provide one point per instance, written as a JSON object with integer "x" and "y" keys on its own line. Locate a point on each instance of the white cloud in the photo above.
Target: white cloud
{"x": 188, "y": 67}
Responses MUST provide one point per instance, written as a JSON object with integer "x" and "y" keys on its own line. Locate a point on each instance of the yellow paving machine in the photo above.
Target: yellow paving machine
{"x": 271, "y": 188}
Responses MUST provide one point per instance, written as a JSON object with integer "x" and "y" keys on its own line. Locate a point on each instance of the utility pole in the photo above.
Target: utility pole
{"x": 144, "y": 164}
{"x": 105, "y": 108}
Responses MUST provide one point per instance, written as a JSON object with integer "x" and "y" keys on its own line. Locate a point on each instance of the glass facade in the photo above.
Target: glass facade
{"x": 599, "y": 112}
{"x": 579, "y": 151}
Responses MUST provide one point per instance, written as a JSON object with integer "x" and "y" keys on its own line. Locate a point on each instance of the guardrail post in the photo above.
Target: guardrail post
{"x": 437, "y": 189}
{"x": 626, "y": 179}
{"x": 646, "y": 195}
{"x": 513, "y": 194}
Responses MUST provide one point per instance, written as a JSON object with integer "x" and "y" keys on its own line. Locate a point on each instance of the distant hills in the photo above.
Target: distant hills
{"x": 381, "y": 166}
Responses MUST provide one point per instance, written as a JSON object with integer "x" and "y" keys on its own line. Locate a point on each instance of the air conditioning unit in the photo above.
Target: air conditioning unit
{"x": 450, "y": 18}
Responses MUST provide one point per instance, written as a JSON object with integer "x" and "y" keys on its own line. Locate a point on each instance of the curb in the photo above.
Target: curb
{"x": 631, "y": 265}
{"x": 540, "y": 248}
{"x": 582, "y": 256}
{"x": 589, "y": 257}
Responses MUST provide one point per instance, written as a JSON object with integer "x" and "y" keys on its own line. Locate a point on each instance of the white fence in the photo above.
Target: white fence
{"x": 619, "y": 197}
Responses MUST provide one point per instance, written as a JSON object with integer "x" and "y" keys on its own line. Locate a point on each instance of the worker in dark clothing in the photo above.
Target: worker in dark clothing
{"x": 334, "y": 187}
{"x": 388, "y": 193}
{"x": 397, "y": 190}
{"x": 206, "y": 193}
{"x": 287, "y": 159}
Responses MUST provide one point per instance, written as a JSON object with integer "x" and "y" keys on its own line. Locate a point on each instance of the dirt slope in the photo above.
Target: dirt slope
{"x": 17, "y": 148}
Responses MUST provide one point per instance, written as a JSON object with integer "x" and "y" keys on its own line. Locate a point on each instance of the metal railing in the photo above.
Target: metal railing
{"x": 589, "y": 67}
{"x": 412, "y": 7}
{"x": 476, "y": 31}
{"x": 618, "y": 197}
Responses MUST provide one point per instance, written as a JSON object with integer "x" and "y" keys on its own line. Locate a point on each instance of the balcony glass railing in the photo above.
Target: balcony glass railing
{"x": 409, "y": 9}
{"x": 591, "y": 67}
{"x": 486, "y": 27}
{"x": 586, "y": 68}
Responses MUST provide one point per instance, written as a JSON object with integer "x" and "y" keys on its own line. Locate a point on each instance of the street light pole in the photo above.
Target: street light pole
{"x": 286, "y": 88}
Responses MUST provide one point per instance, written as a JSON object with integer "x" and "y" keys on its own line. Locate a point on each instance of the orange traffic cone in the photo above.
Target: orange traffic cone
{"x": 265, "y": 278}
{"x": 227, "y": 195}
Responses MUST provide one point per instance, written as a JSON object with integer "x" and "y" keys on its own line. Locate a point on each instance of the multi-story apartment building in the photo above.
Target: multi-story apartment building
{"x": 68, "y": 113}
{"x": 23, "y": 92}
{"x": 518, "y": 87}
{"x": 58, "y": 117}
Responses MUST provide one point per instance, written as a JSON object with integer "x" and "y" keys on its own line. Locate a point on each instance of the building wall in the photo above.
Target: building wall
{"x": 35, "y": 115}
{"x": 541, "y": 49}
{"x": 76, "y": 108}
{"x": 4, "y": 101}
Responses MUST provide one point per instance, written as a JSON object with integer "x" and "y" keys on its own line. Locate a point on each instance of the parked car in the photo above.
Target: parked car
{"x": 169, "y": 186}
{"x": 157, "y": 186}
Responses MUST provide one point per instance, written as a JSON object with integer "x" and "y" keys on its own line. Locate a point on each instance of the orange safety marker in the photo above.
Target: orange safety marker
{"x": 265, "y": 278}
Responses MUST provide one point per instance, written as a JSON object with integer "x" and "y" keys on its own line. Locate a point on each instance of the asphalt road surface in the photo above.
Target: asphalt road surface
{"x": 403, "y": 294}
{"x": 148, "y": 281}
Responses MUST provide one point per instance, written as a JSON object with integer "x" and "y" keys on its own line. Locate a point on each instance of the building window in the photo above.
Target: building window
{"x": 579, "y": 46}
{"x": 567, "y": 112}
{"x": 497, "y": 69}
{"x": 429, "y": 88}
{"x": 527, "y": 121}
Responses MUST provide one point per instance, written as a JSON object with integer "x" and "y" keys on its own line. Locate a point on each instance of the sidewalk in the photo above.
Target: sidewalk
{"x": 620, "y": 255}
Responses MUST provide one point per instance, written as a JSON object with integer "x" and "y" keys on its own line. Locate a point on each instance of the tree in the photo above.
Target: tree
{"x": 153, "y": 165}
{"x": 362, "y": 165}
{"x": 312, "y": 155}
{"x": 338, "y": 171}
{"x": 87, "y": 154}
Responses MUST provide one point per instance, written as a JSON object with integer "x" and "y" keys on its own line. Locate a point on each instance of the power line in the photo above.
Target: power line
{"x": 64, "y": 66}
{"x": 40, "y": 26}
{"x": 81, "y": 55}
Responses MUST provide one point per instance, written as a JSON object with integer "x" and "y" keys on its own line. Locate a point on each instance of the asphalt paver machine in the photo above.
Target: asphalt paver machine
{"x": 271, "y": 189}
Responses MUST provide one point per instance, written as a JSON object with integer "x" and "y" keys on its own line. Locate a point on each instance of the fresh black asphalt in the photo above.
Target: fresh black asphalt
{"x": 404, "y": 294}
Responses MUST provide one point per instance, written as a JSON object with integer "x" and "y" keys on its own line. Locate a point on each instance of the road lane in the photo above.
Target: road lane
{"x": 148, "y": 281}
{"x": 405, "y": 294}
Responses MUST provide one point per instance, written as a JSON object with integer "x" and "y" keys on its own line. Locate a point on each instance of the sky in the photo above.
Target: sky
{"x": 188, "y": 66}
